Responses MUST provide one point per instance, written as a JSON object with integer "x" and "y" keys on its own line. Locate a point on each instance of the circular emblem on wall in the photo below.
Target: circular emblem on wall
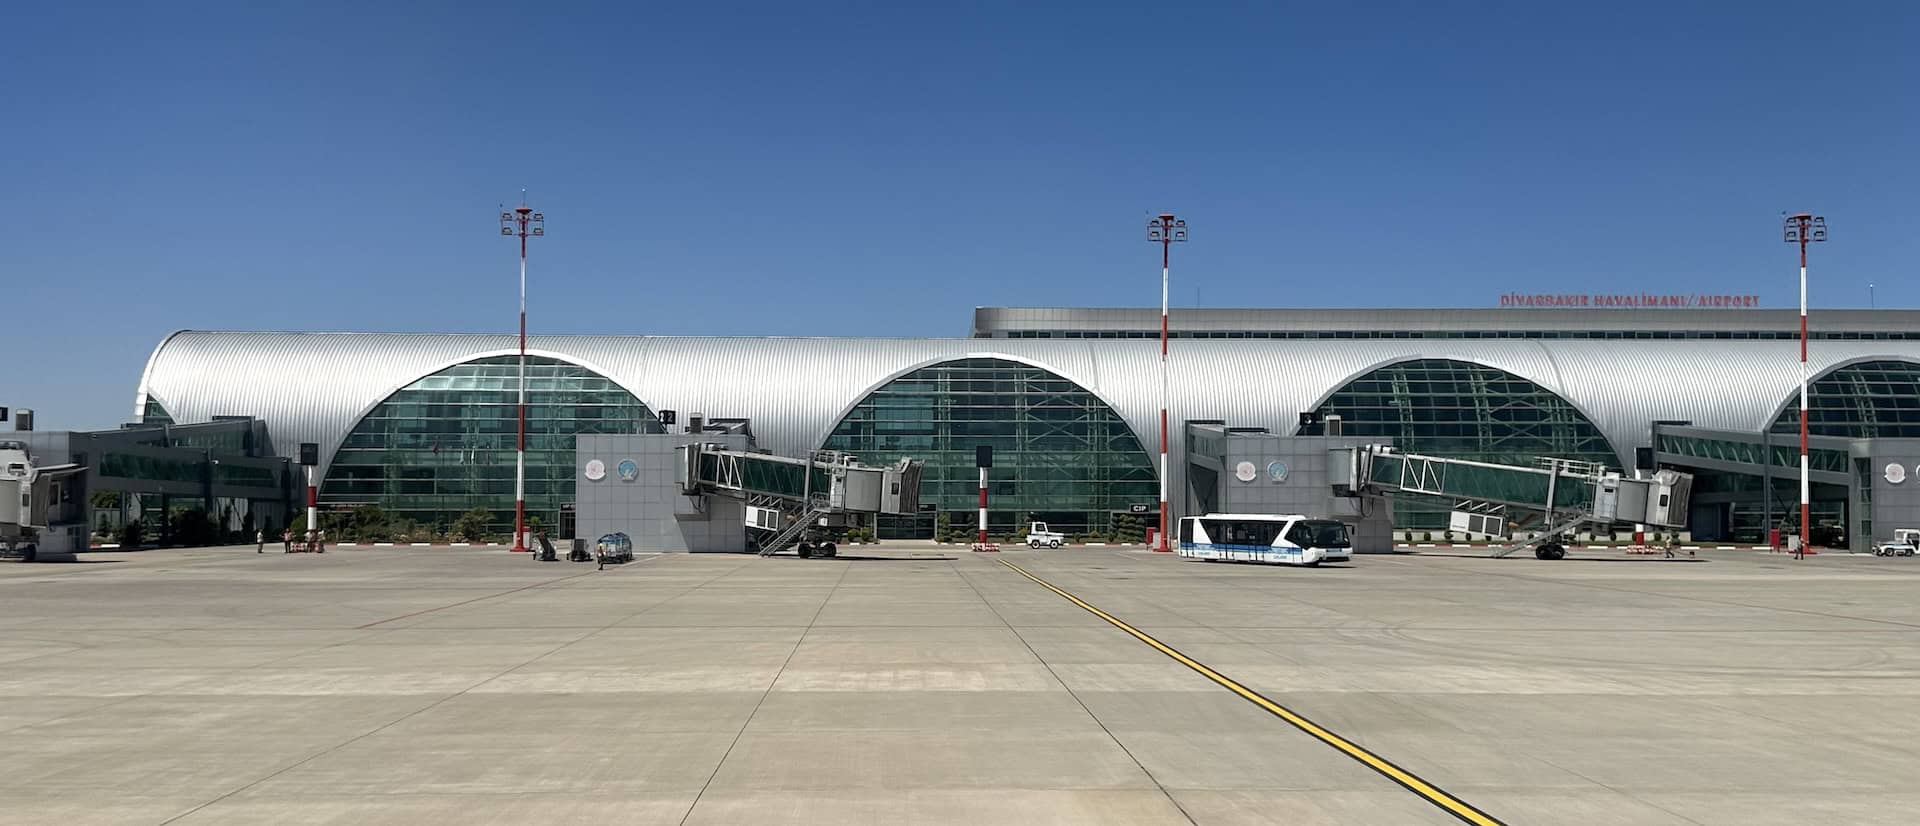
{"x": 1896, "y": 473}
{"x": 1245, "y": 471}
{"x": 1277, "y": 471}
{"x": 596, "y": 470}
{"x": 629, "y": 471}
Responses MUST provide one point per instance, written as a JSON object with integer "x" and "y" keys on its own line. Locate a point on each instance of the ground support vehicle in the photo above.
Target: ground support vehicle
{"x": 1261, "y": 537}
{"x": 1892, "y": 549}
{"x": 1039, "y": 537}
{"x": 613, "y": 549}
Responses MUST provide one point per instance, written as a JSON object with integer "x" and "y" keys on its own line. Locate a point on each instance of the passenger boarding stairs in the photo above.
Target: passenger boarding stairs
{"x": 1567, "y": 493}
{"x": 797, "y": 526}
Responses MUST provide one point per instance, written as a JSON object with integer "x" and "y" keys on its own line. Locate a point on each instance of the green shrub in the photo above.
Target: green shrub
{"x": 472, "y": 525}
{"x": 368, "y": 523}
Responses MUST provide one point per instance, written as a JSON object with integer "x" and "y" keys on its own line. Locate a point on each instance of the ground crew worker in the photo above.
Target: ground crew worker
{"x": 259, "y": 541}
{"x": 286, "y": 541}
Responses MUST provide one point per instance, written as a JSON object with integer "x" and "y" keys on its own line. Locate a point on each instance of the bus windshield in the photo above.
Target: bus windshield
{"x": 1320, "y": 533}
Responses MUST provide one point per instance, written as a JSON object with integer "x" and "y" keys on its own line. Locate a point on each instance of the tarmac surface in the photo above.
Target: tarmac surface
{"x": 917, "y": 685}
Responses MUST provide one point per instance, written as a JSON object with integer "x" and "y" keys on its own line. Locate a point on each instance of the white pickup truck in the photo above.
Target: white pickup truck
{"x": 1039, "y": 537}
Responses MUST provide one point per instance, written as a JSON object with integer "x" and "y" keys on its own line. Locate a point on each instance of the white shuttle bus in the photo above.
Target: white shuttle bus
{"x": 1263, "y": 537}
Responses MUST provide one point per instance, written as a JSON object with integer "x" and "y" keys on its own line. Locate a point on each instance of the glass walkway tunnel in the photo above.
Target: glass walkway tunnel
{"x": 1862, "y": 423}
{"x": 1748, "y": 484}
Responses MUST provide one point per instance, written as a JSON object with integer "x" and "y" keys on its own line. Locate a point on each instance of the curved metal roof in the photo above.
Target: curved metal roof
{"x": 313, "y": 387}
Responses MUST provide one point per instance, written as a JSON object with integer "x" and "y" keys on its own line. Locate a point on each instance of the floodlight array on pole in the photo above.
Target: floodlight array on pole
{"x": 1804, "y": 229}
{"x": 1167, "y": 230}
{"x": 524, "y": 222}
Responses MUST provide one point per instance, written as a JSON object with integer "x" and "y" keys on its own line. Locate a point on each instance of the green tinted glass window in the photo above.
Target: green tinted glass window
{"x": 444, "y": 444}
{"x": 1461, "y": 410}
{"x": 155, "y": 413}
{"x": 1060, "y": 455}
{"x": 1860, "y": 401}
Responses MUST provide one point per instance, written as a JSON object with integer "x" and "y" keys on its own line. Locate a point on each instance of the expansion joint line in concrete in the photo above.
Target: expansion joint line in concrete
{"x": 1429, "y": 792}
{"x": 377, "y": 623}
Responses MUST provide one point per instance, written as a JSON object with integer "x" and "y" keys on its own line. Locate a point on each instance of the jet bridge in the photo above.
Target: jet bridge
{"x": 28, "y": 500}
{"x": 1568, "y": 493}
{"x": 799, "y": 501}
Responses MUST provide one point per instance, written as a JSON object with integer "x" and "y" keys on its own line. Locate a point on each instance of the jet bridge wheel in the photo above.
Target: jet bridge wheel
{"x": 1551, "y": 550}
{"x": 805, "y": 550}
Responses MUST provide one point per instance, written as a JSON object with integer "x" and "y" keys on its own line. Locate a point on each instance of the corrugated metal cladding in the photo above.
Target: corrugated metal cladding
{"x": 313, "y": 387}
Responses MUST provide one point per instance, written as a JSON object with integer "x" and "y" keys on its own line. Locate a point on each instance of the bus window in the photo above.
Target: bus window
{"x": 1250, "y": 533}
{"x": 1319, "y": 533}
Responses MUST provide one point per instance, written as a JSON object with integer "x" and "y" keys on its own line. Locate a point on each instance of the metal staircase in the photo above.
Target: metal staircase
{"x": 796, "y": 527}
{"x": 1551, "y": 536}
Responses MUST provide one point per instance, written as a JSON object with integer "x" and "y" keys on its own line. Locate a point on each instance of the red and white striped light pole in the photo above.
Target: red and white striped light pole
{"x": 1804, "y": 229}
{"x": 1167, "y": 230}
{"x": 983, "y": 508}
{"x": 983, "y": 459}
{"x": 524, "y": 222}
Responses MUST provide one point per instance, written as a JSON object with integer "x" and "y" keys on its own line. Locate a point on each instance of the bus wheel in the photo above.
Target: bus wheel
{"x": 1551, "y": 550}
{"x": 828, "y": 550}
{"x": 1313, "y": 564}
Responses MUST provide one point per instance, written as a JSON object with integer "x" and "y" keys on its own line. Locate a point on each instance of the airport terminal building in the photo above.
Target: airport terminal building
{"x": 423, "y": 424}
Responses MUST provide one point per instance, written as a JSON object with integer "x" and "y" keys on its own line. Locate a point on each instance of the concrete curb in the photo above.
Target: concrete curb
{"x": 1622, "y": 548}
{"x": 419, "y": 545}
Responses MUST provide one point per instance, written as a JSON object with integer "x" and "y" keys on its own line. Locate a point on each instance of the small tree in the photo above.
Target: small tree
{"x": 472, "y": 525}
{"x": 130, "y": 535}
{"x": 104, "y": 499}
{"x": 943, "y": 527}
{"x": 1127, "y": 530}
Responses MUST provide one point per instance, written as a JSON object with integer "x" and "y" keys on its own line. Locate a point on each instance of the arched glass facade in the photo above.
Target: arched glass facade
{"x": 1860, "y": 401}
{"x": 444, "y": 444}
{"x": 1461, "y": 410}
{"x": 1060, "y": 455}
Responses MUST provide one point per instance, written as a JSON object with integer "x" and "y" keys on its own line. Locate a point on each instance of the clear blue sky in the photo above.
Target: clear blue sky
{"x": 881, "y": 168}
